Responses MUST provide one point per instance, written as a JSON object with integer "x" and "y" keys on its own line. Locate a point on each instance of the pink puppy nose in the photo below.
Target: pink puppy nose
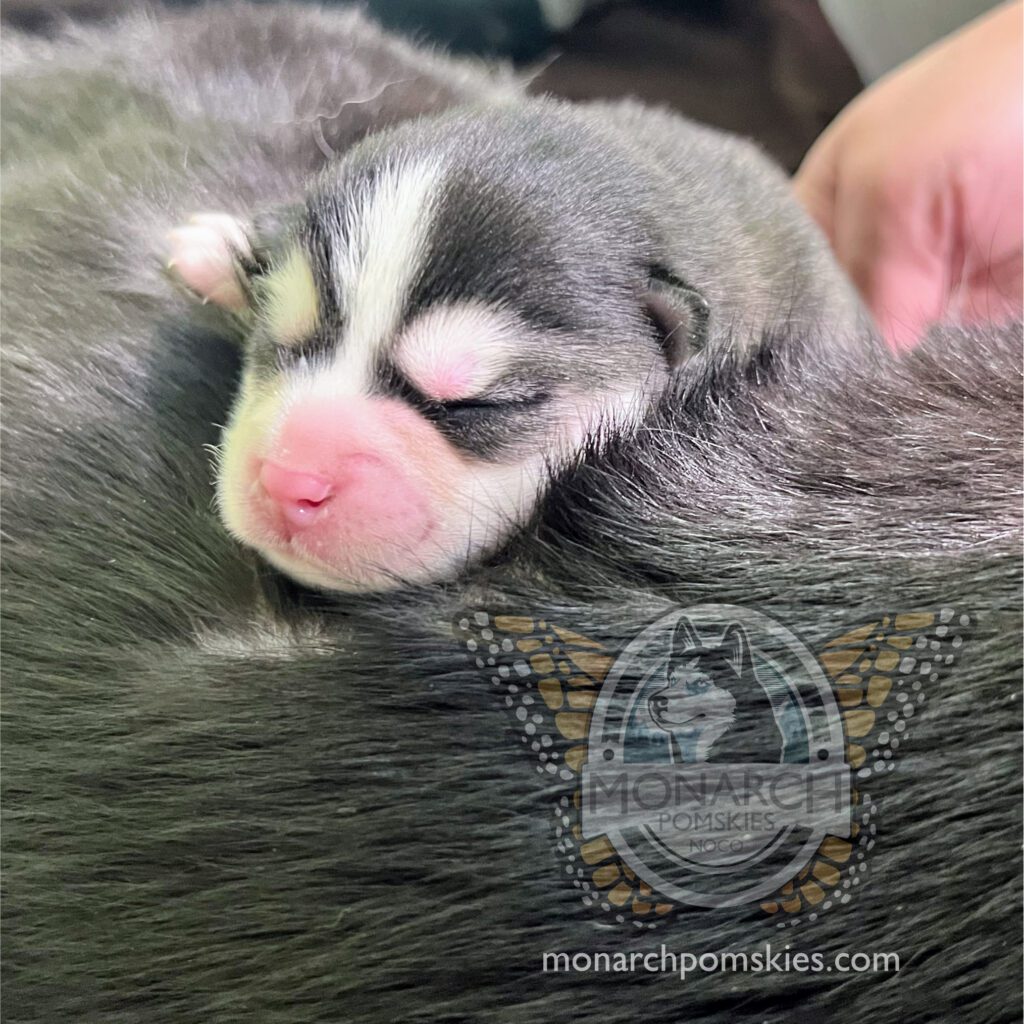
{"x": 299, "y": 495}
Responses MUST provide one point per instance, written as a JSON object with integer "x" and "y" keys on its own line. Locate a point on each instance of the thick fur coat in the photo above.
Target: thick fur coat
{"x": 231, "y": 799}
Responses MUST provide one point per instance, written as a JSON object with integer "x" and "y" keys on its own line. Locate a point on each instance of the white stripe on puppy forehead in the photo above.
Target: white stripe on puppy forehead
{"x": 389, "y": 231}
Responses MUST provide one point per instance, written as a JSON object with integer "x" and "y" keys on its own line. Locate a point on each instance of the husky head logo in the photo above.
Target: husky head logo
{"x": 712, "y": 706}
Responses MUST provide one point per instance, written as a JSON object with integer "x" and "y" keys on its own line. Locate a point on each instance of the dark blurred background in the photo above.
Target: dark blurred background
{"x": 772, "y": 70}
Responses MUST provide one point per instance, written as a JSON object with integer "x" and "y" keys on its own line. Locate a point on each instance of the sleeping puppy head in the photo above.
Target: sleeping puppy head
{"x": 453, "y": 312}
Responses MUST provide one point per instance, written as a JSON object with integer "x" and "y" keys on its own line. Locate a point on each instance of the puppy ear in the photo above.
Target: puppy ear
{"x": 679, "y": 313}
{"x": 736, "y": 647}
{"x": 218, "y": 257}
{"x": 206, "y": 256}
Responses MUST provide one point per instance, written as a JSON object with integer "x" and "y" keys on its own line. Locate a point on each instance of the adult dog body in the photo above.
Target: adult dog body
{"x": 229, "y": 797}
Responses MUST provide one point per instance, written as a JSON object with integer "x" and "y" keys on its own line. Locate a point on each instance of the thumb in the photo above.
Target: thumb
{"x": 814, "y": 185}
{"x": 898, "y": 252}
{"x": 906, "y": 296}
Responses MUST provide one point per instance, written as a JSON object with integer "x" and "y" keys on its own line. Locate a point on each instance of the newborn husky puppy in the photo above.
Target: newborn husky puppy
{"x": 459, "y": 306}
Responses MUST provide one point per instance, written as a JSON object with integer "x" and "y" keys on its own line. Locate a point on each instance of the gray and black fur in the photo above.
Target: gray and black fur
{"x": 607, "y": 228}
{"x": 230, "y": 799}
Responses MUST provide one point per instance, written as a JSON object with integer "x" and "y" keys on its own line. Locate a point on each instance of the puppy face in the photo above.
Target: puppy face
{"x": 429, "y": 342}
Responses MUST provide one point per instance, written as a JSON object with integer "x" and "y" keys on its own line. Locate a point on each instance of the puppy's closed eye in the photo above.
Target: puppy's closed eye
{"x": 496, "y": 403}
{"x": 492, "y": 425}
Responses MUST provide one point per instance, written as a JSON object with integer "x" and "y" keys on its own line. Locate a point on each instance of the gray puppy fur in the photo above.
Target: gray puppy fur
{"x": 231, "y": 799}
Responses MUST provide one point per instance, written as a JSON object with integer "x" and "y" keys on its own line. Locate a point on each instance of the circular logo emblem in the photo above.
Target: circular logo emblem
{"x": 716, "y": 762}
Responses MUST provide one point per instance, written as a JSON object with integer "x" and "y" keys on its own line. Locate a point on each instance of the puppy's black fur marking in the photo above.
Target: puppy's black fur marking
{"x": 228, "y": 798}
{"x": 485, "y": 263}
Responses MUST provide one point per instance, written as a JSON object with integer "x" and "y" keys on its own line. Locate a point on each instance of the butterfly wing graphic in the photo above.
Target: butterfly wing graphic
{"x": 550, "y": 677}
{"x": 883, "y": 673}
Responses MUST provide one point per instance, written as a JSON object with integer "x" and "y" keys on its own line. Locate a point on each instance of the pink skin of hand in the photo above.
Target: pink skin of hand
{"x": 918, "y": 183}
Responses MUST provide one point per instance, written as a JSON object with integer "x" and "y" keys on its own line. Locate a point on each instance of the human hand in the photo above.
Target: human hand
{"x": 918, "y": 183}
